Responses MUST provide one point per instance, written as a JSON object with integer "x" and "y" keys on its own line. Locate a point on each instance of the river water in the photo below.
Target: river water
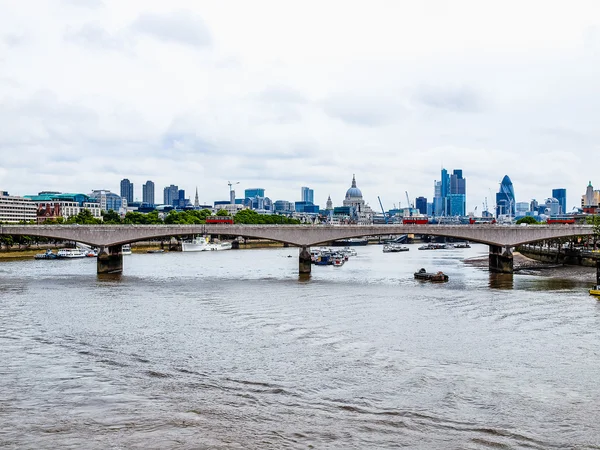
{"x": 232, "y": 350}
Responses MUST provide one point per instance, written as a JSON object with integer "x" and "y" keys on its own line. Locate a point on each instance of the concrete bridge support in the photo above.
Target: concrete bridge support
{"x": 110, "y": 259}
{"x": 501, "y": 259}
{"x": 304, "y": 265}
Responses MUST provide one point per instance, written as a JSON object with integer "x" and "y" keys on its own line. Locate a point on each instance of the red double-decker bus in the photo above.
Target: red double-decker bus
{"x": 219, "y": 219}
{"x": 561, "y": 219}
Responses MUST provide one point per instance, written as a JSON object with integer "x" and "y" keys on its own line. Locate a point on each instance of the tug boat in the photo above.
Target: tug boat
{"x": 422, "y": 274}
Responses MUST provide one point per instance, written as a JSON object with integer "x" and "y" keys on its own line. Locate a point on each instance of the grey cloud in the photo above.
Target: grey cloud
{"x": 94, "y": 36}
{"x": 181, "y": 27}
{"x": 461, "y": 99}
{"x": 281, "y": 94}
{"x": 13, "y": 40}
{"x": 368, "y": 110}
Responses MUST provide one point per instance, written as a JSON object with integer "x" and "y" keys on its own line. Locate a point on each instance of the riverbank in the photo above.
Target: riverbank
{"x": 528, "y": 266}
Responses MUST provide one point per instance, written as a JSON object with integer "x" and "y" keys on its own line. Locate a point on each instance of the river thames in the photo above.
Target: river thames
{"x": 232, "y": 350}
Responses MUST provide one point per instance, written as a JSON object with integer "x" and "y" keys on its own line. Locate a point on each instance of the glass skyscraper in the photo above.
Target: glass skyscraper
{"x": 306, "y": 195}
{"x": 561, "y": 196}
{"x": 254, "y": 192}
{"x": 505, "y": 198}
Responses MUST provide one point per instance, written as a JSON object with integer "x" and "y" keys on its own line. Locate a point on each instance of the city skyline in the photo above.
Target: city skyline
{"x": 420, "y": 87}
{"x": 401, "y": 202}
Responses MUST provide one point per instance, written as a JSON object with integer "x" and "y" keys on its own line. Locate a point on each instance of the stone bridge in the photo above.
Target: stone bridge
{"x": 109, "y": 238}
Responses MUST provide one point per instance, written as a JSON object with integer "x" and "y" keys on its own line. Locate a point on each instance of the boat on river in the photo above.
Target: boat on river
{"x": 217, "y": 246}
{"x": 462, "y": 245}
{"x": 198, "y": 244}
{"x": 595, "y": 291}
{"x": 394, "y": 248}
{"x": 70, "y": 253}
{"x": 49, "y": 254}
{"x": 422, "y": 274}
{"x": 126, "y": 249}
{"x": 433, "y": 246}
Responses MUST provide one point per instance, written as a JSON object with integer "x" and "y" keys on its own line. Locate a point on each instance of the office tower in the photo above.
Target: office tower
{"x": 306, "y": 194}
{"x": 533, "y": 206}
{"x": 180, "y": 198}
{"x": 254, "y": 192}
{"x": 561, "y": 195}
{"x": 421, "y": 205}
{"x": 505, "y": 198}
{"x": 127, "y": 190}
{"x": 148, "y": 192}
{"x": 171, "y": 195}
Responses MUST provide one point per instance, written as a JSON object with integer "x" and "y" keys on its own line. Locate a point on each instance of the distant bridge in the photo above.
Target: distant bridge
{"x": 109, "y": 238}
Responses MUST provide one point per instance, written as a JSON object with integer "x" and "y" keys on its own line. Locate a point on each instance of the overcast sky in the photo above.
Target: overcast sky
{"x": 280, "y": 94}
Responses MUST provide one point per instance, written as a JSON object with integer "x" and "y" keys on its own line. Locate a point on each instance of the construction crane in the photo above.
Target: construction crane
{"x": 382, "y": 210}
{"x": 410, "y": 205}
{"x": 229, "y": 183}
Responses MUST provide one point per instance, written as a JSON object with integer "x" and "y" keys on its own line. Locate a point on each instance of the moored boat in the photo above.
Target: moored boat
{"x": 217, "y": 246}
{"x": 48, "y": 254}
{"x": 69, "y": 253}
{"x": 595, "y": 291}
{"x": 126, "y": 249}
{"x": 422, "y": 274}
{"x": 394, "y": 248}
{"x": 198, "y": 244}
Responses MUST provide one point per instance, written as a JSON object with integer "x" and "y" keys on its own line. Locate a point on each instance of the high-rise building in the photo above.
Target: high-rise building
{"x": 108, "y": 200}
{"x": 306, "y": 195}
{"x": 438, "y": 208}
{"x": 534, "y": 205}
{"x": 521, "y": 209}
{"x": 127, "y": 190}
{"x": 561, "y": 196}
{"x": 450, "y": 194}
{"x": 552, "y": 207}
{"x": 171, "y": 195}
{"x": 254, "y": 192}
{"x": 421, "y": 205}
{"x": 505, "y": 198}
{"x": 455, "y": 205}
{"x": 148, "y": 192}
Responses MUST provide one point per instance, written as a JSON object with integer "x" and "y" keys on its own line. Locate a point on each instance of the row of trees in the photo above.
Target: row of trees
{"x": 189, "y": 217}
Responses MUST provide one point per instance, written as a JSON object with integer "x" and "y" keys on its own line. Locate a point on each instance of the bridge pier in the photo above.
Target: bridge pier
{"x": 501, "y": 259}
{"x": 304, "y": 261}
{"x": 110, "y": 259}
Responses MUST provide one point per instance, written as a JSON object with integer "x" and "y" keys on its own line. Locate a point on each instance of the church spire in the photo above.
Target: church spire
{"x": 196, "y": 202}
{"x": 353, "y": 181}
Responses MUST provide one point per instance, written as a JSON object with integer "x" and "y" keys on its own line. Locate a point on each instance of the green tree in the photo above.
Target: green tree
{"x": 84, "y": 217}
{"x": 223, "y": 212}
{"x": 111, "y": 217}
{"x": 527, "y": 220}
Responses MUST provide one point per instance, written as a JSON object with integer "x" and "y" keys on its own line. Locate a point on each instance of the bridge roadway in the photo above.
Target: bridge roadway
{"x": 109, "y": 238}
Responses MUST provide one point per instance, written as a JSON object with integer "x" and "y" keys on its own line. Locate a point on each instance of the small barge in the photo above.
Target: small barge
{"x": 422, "y": 274}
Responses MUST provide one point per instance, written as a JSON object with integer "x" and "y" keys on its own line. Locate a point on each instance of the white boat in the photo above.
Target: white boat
{"x": 198, "y": 244}
{"x": 70, "y": 253}
{"x": 126, "y": 249}
{"x": 394, "y": 248}
{"x": 218, "y": 246}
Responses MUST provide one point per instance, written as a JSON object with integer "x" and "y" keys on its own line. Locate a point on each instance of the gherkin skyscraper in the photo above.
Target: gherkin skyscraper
{"x": 505, "y": 198}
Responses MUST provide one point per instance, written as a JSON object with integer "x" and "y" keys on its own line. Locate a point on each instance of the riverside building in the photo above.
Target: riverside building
{"x": 15, "y": 209}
